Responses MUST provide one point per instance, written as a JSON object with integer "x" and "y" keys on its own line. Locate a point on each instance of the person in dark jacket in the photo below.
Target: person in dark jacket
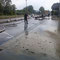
{"x": 25, "y": 23}
{"x": 25, "y": 18}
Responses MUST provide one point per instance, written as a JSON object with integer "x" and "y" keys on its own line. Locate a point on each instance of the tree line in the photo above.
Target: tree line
{"x": 7, "y": 8}
{"x": 30, "y": 10}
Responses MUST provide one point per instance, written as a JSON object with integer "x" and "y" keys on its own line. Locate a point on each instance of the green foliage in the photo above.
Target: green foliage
{"x": 20, "y": 12}
{"x": 29, "y": 9}
{"x": 1, "y": 9}
{"x": 42, "y": 10}
{"x": 6, "y": 7}
{"x": 55, "y": 9}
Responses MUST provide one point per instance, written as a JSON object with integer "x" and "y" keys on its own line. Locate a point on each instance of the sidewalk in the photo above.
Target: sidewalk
{"x": 42, "y": 46}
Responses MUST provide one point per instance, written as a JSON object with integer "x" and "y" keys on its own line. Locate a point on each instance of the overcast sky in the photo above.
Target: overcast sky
{"x": 20, "y": 4}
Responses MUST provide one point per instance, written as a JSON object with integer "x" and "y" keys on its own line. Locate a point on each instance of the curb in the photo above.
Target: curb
{"x": 12, "y": 20}
{"x": 2, "y": 29}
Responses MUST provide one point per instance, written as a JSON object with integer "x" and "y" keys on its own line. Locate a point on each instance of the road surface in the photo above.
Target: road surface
{"x": 47, "y": 28}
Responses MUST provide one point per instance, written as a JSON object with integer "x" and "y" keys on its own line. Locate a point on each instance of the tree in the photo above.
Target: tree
{"x": 6, "y": 7}
{"x": 55, "y": 9}
{"x": 8, "y": 2}
{"x": 42, "y": 10}
{"x": 6, "y": 10}
{"x": 2, "y": 2}
{"x": 13, "y": 9}
{"x": 1, "y": 6}
{"x": 5, "y": 2}
{"x": 30, "y": 9}
{"x": 1, "y": 9}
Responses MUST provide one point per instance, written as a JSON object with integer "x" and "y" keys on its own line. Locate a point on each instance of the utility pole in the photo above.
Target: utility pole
{"x": 26, "y": 3}
{"x": 59, "y": 7}
{"x": 26, "y": 6}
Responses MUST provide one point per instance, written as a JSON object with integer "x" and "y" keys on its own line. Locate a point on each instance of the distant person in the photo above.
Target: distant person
{"x": 42, "y": 16}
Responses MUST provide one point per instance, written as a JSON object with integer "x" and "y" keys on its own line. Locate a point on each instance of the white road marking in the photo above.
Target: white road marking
{"x": 9, "y": 36}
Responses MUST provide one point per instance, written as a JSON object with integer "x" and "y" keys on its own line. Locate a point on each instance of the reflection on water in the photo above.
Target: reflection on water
{"x": 57, "y": 21}
{"x": 57, "y": 38}
{"x": 26, "y": 28}
{"x": 50, "y": 23}
{"x": 55, "y": 24}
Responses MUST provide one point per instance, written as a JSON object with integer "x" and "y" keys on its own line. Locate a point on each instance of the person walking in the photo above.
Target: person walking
{"x": 25, "y": 18}
{"x": 25, "y": 24}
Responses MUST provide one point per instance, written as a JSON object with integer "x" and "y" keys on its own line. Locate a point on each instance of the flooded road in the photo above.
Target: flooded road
{"x": 39, "y": 41}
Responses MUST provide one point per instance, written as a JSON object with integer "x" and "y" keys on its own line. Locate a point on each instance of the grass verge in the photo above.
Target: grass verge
{"x": 11, "y": 16}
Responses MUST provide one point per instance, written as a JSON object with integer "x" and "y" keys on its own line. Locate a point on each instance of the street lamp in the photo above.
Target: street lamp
{"x": 26, "y": 6}
{"x": 26, "y": 3}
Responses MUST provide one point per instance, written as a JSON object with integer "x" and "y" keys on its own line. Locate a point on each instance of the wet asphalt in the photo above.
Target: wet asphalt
{"x": 15, "y": 29}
